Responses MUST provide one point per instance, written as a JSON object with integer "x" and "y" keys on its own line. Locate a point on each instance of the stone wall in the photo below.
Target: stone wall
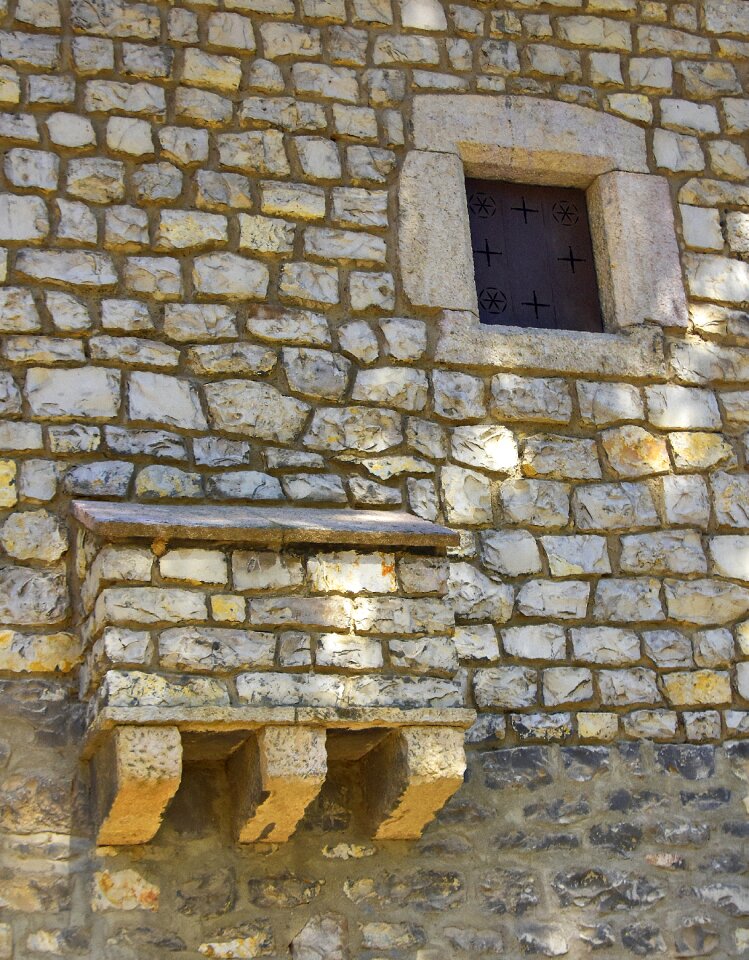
{"x": 203, "y": 301}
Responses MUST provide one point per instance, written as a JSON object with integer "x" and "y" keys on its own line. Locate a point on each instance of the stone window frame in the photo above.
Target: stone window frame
{"x": 546, "y": 142}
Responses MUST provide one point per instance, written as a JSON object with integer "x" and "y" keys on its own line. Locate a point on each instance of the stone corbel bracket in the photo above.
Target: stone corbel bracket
{"x": 411, "y": 755}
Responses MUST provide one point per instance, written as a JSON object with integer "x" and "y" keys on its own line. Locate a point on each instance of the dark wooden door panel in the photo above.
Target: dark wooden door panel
{"x": 532, "y": 255}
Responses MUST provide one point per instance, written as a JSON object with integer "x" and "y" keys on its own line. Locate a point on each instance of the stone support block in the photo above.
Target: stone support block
{"x": 276, "y": 775}
{"x": 136, "y": 773}
{"x": 409, "y": 777}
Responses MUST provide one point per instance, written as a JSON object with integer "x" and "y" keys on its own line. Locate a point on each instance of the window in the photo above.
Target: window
{"x": 548, "y": 144}
{"x": 532, "y": 256}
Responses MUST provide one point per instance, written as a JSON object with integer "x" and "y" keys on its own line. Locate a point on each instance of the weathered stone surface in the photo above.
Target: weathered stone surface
{"x": 123, "y": 890}
{"x": 563, "y": 600}
{"x": 359, "y": 429}
{"x": 161, "y": 399}
{"x": 561, "y": 458}
{"x": 537, "y": 642}
{"x": 667, "y": 648}
{"x": 543, "y": 503}
{"x": 663, "y": 552}
{"x": 397, "y": 387}
{"x": 215, "y": 649}
{"x": 57, "y": 394}
{"x": 255, "y": 410}
{"x": 634, "y": 452}
{"x": 32, "y": 597}
{"x": 466, "y": 496}
{"x": 697, "y": 688}
{"x": 628, "y": 601}
{"x": 67, "y": 268}
{"x": 33, "y": 535}
{"x": 474, "y": 596}
{"x": 195, "y": 565}
{"x": 393, "y": 615}
{"x": 458, "y": 396}
{"x": 628, "y": 294}
{"x": 730, "y": 493}
{"x": 511, "y": 552}
{"x": 572, "y": 556}
{"x": 491, "y": 448}
{"x": 532, "y": 399}
{"x": 134, "y": 688}
{"x": 149, "y": 605}
{"x": 686, "y": 500}
{"x": 476, "y": 643}
{"x": 47, "y": 653}
{"x": 504, "y": 687}
{"x": 627, "y": 687}
{"x": 435, "y": 254}
{"x": 230, "y": 276}
{"x": 609, "y": 645}
{"x": 350, "y": 572}
{"x": 705, "y": 602}
{"x": 323, "y": 936}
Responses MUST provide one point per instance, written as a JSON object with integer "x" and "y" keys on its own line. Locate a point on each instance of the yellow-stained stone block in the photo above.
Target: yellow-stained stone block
{"x": 276, "y": 775}
{"x": 228, "y": 608}
{"x": 123, "y": 890}
{"x": 410, "y": 776}
{"x": 597, "y": 726}
{"x": 136, "y": 773}
{"x": 697, "y": 687}
{"x": 45, "y": 653}
{"x": 8, "y": 492}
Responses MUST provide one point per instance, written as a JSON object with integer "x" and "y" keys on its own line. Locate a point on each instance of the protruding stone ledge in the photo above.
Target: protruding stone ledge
{"x": 136, "y": 772}
{"x": 164, "y": 665}
{"x": 272, "y": 526}
{"x": 234, "y": 719}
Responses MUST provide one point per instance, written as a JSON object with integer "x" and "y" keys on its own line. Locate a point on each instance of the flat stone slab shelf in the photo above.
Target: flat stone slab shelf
{"x": 233, "y": 719}
{"x": 270, "y": 526}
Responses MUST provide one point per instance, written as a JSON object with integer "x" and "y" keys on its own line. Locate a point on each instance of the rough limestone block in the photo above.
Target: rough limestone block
{"x": 410, "y": 777}
{"x": 623, "y": 240}
{"x": 136, "y": 774}
{"x": 276, "y": 775}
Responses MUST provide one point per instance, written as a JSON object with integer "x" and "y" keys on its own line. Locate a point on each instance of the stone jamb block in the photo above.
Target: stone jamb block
{"x": 275, "y": 776}
{"x": 136, "y": 772}
{"x": 409, "y": 777}
{"x": 631, "y": 224}
{"x": 538, "y": 141}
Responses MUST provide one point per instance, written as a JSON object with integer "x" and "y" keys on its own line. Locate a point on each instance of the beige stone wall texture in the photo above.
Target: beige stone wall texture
{"x": 204, "y": 298}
